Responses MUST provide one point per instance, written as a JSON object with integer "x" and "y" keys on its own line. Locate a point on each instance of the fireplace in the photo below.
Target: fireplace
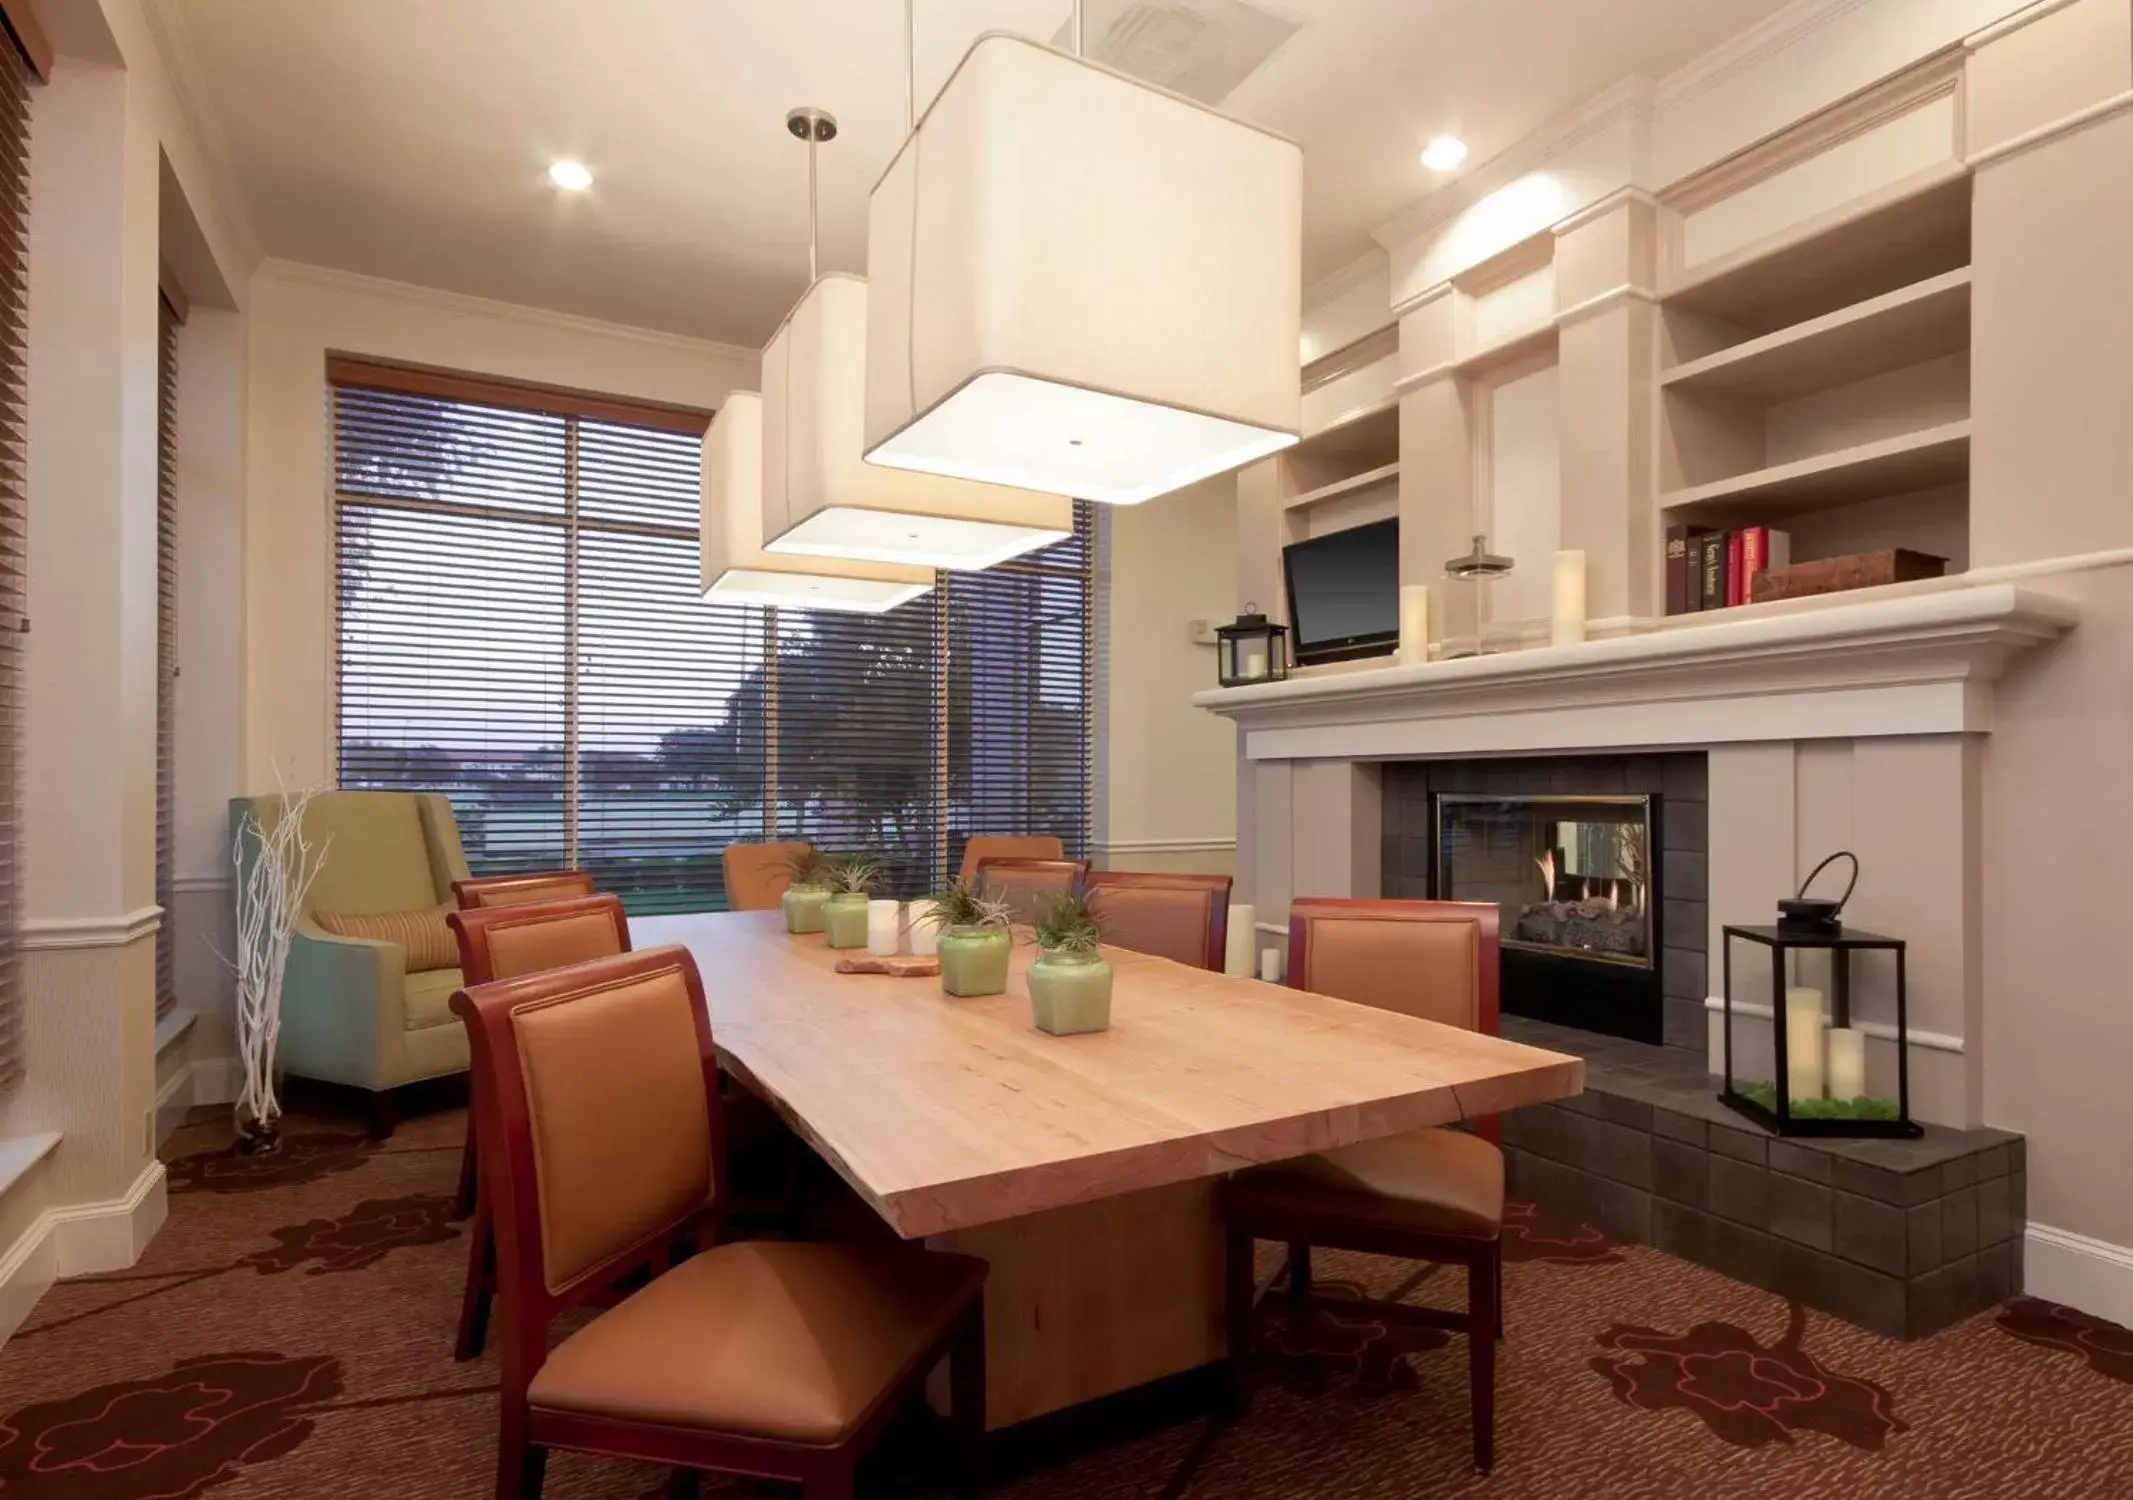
{"x": 1576, "y": 878}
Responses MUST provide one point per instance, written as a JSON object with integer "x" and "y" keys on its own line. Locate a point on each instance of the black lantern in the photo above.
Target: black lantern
{"x": 1252, "y": 650}
{"x": 1818, "y": 1084}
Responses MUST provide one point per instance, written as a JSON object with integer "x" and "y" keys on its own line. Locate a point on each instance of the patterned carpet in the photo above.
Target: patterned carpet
{"x": 288, "y": 1335}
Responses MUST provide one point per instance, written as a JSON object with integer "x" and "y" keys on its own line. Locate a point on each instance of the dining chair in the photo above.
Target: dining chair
{"x": 516, "y": 890}
{"x": 1025, "y": 884}
{"x": 984, "y": 846}
{"x": 1433, "y": 1195}
{"x": 757, "y": 874}
{"x": 603, "y": 1147}
{"x": 1180, "y": 917}
{"x": 504, "y": 942}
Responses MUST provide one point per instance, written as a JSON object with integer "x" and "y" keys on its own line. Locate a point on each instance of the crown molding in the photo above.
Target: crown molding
{"x": 356, "y": 283}
{"x": 1764, "y": 40}
{"x": 1629, "y": 99}
{"x": 1355, "y": 273}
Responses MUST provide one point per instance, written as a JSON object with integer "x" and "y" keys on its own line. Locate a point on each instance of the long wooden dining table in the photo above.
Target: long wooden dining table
{"x": 1081, "y": 1167}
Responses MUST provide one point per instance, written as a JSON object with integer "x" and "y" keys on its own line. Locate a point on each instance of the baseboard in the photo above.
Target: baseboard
{"x": 27, "y": 1272}
{"x": 2093, "y": 1275}
{"x": 217, "y": 1080}
{"x": 89, "y": 1238}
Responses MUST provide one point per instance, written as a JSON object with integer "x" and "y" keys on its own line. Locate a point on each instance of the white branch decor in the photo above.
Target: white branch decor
{"x": 271, "y": 891}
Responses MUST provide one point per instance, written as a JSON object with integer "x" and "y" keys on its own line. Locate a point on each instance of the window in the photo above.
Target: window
{"x": 520, "y": 626}
{"x": 23, "y": 59}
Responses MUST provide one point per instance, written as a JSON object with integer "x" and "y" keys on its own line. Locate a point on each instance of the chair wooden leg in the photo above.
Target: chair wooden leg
{"x": 684, "y": 1484}
{"x": 829, "y": 1484}
{"x": 1238, "y": 1286}
{"x": 520, "y": 1465}
{"x": 1482, "y": 1320}
{"x": 383, "y": 1116}
{"x": 1299, "y": 1275}
{"x": 480, "y": 1287}
{"x": 1499, "y": 1290}
{"x": 966, "y": 1403}
{"x": 463, "y": 1201}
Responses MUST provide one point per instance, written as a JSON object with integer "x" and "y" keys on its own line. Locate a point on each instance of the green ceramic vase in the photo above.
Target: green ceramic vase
{"x": 974, "y": 960}
{"x": 1069, "y": 993}
{"x": 803, "y": 909}
{"x": 844, "y": 918}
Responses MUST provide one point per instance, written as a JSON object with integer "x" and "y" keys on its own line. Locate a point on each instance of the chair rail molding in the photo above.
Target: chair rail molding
{"x": 120, "y": 931}
{"x": 1921, "y": 664}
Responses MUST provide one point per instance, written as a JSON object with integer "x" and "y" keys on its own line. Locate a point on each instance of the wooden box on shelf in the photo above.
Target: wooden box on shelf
{"x": 1859, "y": 570}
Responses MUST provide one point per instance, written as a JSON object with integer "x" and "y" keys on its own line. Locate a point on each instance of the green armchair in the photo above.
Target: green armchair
{"x": 351, "y": 1013}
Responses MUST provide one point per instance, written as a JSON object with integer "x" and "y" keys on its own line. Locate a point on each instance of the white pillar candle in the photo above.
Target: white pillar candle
{"x": 1803, "y": 1043}
{"x": 1414, "y": 623}
{"x": 925, "y": 932}
{"x": 1237, "y": 944}
{"x": 883, "y": 920}
{"x": 1254, "y": 663}
{"x": 1847, "y": 1062}
{"x": 1568, "y": 627}
{"x": 1270, "y": 965}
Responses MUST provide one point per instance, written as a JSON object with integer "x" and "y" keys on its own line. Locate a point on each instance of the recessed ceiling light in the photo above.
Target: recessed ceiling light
{"x": 570, "y": 176}
{"x": 1444, "y": 153}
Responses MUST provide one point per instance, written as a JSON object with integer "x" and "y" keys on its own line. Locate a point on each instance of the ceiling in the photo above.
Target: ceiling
{"x": 418, "y": 151}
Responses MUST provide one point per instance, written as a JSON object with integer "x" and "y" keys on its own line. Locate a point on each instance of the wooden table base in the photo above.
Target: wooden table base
{"x": 1097, "y": 1298}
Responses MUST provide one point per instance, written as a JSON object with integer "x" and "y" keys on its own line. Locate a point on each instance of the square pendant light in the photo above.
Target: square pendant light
{"x": 1082, "y": 283}
{"x": 820, "y": 496}
{"x": 736, "y": 569}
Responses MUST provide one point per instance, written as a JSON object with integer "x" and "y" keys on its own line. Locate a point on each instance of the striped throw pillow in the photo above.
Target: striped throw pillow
{"x": 423, "y": 934}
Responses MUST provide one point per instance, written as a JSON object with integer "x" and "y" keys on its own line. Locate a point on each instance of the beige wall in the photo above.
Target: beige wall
{"x": 1170, "y": 800}
{"x": 298, "y": 316}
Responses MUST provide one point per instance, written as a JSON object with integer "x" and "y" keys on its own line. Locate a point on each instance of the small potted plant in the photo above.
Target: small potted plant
{"x": 844, "y": 914}
{"x": 974, "y": 941}
{"x": 1069, "y": 984}
{"x": 807, "y": 890}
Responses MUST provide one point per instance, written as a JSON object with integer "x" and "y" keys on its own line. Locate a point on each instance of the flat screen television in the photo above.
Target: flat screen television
{"x": 1344, "y": 593}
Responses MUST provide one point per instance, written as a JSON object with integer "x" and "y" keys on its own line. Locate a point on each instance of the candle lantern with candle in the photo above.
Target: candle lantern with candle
{"x": 1818, "y": 1083}
{"x": 1251, "y": 650}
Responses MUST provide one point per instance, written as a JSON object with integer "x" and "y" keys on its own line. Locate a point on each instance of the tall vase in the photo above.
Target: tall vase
{"x": 974, "y": 960}
{"x": 257, "y": 1136}
{"x": 1069, "y": 993}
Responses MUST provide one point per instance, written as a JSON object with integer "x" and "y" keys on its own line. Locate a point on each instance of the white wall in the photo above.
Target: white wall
{"x": 1171, "y": 800}
{"x": 298, "y": 315}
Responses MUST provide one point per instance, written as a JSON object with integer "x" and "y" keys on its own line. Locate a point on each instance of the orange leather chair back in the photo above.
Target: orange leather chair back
{"x": 1179, "y": 917}
{"x": 757, "y": 874}
{"x": 1025, "y": 883}
{"x": 503, "y": 942}
{"x": 1435, "y": 959}
{"x": 984, "y": 846}
{"x": 517, "y": 890}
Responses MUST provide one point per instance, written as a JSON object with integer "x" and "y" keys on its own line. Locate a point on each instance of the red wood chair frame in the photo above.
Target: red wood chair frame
{"x": 1215, "y": 938}
{"x": 825, "y": 1471}
{"x": 472, "y": 927}
{"x": 1076, "y": 871}
{"x": 1301, "y": 1227}
{"x": 476, "y": 893}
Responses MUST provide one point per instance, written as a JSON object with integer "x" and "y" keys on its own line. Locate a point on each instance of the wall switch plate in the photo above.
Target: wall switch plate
{"x": 1203, "y": 632}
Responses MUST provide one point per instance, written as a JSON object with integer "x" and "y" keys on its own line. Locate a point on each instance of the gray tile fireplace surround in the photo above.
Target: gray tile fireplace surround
{"x": 1902, "y": 1237}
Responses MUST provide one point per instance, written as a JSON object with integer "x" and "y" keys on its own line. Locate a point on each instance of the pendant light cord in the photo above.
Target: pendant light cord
{"x": 813, "y": 273}
{"x": 910, "y": 68}
{"x": 1077, "y": 28}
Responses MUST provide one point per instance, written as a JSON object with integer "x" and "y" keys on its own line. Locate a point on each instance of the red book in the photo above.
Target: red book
{"x": 1761, "y": 550}
{"x": 1736, "y": 593}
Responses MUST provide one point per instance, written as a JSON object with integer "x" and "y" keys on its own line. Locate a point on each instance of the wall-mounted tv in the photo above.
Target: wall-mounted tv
{"x": 1344, "y": 593}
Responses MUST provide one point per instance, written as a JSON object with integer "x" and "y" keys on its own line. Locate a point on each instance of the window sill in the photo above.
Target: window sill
{"x": 20, "y": 1153}
{"x": 173, "y": 1028}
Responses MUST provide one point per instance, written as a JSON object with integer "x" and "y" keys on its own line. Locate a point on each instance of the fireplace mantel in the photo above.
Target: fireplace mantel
{"x": 1921, "y": 664}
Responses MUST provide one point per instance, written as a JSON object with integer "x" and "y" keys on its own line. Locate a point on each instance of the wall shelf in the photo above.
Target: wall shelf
{"x": 1341, "y": 487}
{"x": 1914, "y": 461}
{"x": 1915, "y": 323}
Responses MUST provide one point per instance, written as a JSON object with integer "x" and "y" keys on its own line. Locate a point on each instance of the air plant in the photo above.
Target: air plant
{"x": 1067, "y": 923}
{"x": 853, "y": 874}
{"x": 808, "y": 869}
{"x": 967, "y": 905}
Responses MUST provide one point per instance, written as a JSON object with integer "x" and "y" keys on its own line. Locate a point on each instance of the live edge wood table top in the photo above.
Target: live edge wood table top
{"x": 946, "y": 1114}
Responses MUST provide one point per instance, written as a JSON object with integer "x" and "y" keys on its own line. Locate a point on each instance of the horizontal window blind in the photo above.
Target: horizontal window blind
{"x": 166, "y": 654}
{"x": 15, "y": 75}
{"x": 521, "y": 627}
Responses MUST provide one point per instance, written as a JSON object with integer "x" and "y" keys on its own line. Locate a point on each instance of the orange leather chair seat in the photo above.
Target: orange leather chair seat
{"x": 786, "y": 1341}
{"x": 1428, "y": 1181}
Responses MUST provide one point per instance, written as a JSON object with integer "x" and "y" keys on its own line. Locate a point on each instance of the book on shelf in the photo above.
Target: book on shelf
{"x": 1707, "y": 569}
{"x": 1711, "y": 573}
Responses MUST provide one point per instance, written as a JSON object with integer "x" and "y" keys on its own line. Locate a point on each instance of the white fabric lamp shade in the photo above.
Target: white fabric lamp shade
{"x": 1082, "y": 283}
{"x": 820, "y": 496}
{"x": 736, "y": 569}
